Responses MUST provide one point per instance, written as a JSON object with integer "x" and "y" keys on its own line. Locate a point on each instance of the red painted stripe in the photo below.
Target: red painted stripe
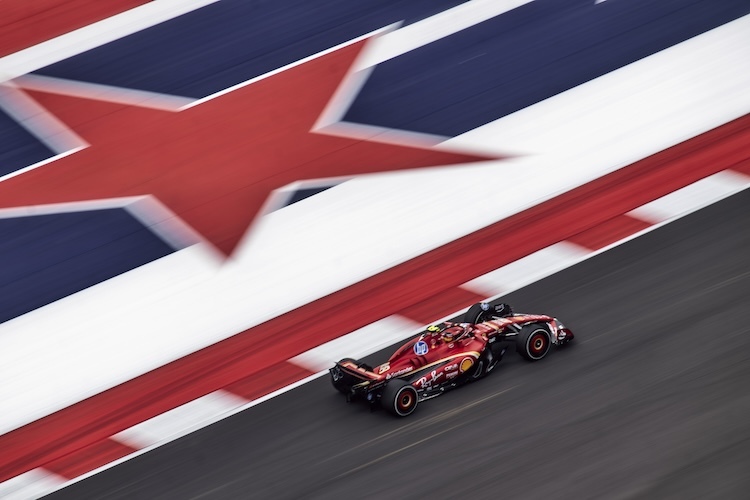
{"x": 24, "y": 23}
{"x": 89, "y": 458}
{"x": 271, "y": 379}
{"x": 412, "y": 282}
{"x": 440, "y": 305}
{"x": 609, "y": 232}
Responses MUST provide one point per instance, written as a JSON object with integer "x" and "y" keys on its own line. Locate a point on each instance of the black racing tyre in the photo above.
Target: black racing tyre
{"x": 534, "y": 341}
{"x": 399, "y": 398}
{"x": 476, "y": 314}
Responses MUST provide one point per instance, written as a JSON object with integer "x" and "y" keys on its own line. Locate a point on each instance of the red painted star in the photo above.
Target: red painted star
{"x": 213, "y": 164}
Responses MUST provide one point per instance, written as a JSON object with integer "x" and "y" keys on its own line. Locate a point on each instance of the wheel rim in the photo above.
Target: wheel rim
{"x": 405, "y": 401}
{"x": 538, "y": 344}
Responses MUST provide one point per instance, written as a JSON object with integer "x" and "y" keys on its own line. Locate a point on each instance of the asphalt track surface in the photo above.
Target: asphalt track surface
{"x": 650, "y": 402}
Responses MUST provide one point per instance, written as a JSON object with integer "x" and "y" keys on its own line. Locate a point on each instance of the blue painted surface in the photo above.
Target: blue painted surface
{"x": 18, "y": 148}
{"x": 525, "y": 56}
{"x": 45, "y": 258}
{"x": 446, "y": 88}
{"x": 234, "y": 40}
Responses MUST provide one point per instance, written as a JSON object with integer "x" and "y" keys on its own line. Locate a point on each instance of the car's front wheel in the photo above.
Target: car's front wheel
{"x": 399, "y": 398}
{"x": 533, "y": 342}
{"x": 479, "y": 312}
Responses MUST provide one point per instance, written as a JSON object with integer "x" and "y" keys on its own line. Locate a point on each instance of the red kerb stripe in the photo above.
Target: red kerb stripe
{"x": 609, "y": 232}
{"x": 89, "y": 458}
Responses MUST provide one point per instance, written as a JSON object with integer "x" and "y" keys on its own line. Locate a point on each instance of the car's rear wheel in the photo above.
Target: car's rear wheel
{"x": 533, "y": 342}
{"x": 400, "y": 398}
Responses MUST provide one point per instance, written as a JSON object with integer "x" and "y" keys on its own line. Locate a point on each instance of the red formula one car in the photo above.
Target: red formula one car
{"x": 448, "y": 355}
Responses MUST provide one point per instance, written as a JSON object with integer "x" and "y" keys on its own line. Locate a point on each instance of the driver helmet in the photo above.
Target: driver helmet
{"x": 453, "y": 333}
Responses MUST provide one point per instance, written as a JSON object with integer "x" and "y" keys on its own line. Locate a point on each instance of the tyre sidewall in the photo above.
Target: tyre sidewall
{"x": 395, "y": 394}
{"x": 530, "y": 335}
{"x": 475, "y": 314}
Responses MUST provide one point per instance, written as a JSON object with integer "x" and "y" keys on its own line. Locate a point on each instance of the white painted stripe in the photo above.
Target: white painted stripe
{"x": 702, "y": 192}
{"x": 63, "y": 208}
{"x": 39, "y": 122}
{"x": 183, "y": 419}
{"x": 94, "y": 35}
{"x": 108, "y": 93}
{"x": 436, "y": 27}
{"x": 359, "y": 343}
{"x": 30, "y": 485}
{"x": 527, "y": 270}
{"x": 39, "y": 164}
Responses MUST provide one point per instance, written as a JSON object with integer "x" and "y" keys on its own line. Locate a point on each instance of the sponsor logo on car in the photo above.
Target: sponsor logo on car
{"x": 466, "y": 364}
{"x": 420, "y": 348}
{"x": 399, "y": 372}
{"x": 426, "y": 383}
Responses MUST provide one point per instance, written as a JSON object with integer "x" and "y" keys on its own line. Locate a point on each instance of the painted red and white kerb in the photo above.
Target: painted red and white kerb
{"x": 315, "y": 362}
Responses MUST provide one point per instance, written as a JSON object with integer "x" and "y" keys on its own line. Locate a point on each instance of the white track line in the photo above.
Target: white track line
{"x": 178, "y": 435}
{"x": 32, "y": 484}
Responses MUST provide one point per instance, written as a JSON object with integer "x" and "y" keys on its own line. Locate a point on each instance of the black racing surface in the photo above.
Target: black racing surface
{"x": 652, "y": 401}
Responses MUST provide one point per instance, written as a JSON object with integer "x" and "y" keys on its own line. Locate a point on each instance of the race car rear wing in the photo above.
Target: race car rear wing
{"x": 353, "y": 378}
